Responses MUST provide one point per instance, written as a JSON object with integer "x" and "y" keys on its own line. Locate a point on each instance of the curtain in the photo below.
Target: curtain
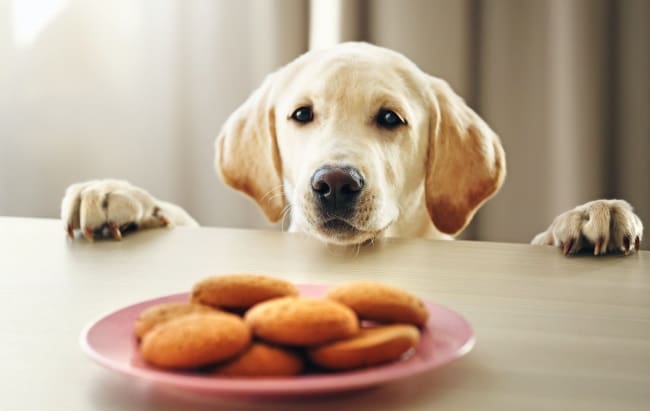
{"x": 139, "y": 90}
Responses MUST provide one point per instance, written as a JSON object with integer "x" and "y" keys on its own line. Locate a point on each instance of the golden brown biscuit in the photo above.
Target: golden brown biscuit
{"x": 371, "y": 346}
{"x": 380, "y": 302}
{"x": 302, "y": 321}
{"x": 240, "y": 291}
{"x": 263, "y": 360}
{"x": 195, "y": 340}
{"x": 161, "y": 313}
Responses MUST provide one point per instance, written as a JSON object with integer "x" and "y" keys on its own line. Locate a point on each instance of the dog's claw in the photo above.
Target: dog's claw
{"x": 637, "y": 243}
{"x": 599, "y": 247}
{"x": 70, "y": 231}
{"x": 626, "y": 245}
{"x": 89, "y": 234}
{"x": 161, "y": 218}
{"x": 115, "y": 231}
{"x": 567, "y": 246}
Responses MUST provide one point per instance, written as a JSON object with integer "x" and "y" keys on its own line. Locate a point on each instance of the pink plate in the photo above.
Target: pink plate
{"x": 110, "y": 342}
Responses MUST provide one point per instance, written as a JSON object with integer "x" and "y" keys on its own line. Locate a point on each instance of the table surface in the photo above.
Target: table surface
{"x": 552, "y": 332}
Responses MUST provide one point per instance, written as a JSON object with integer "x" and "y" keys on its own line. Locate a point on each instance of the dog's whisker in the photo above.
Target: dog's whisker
{"x": 330, "y": 249}
{"x": 274, "y": 196}
{"x": 285, "y": 212}
{"x": 273, "y": 192}
{"x": 268, "y": 193}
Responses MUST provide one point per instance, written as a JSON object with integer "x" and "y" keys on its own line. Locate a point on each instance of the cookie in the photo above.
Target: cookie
{"x": 195, "y": 340}
{"x": 161, "y": 313}
{"x": 299, "y": 321}
{"x": 240, "y": 291}
{"x": 380, "y": 302}
{"x": 263, "y": 360}
{"x": 371, "y": 346}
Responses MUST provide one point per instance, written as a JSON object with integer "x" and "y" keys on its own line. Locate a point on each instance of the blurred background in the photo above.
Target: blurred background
{"x": 139, "y": 89}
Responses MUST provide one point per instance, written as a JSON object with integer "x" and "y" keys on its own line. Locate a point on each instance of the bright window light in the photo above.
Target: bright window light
{"x": 30, "y": 17}
{"x": 324, "y": 23}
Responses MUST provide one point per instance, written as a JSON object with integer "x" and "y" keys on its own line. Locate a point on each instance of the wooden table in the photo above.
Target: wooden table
{"x": 553, "y": 332}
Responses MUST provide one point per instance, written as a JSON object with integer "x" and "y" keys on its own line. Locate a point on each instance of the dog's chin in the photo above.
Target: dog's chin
{"x": 342, "y": 232}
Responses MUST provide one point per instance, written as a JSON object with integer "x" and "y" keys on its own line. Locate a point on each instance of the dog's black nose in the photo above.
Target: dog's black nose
{"x": 337, "y": 187}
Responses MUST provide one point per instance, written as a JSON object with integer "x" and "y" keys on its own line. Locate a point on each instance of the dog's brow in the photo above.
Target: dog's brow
{"x": 390, "y": 102}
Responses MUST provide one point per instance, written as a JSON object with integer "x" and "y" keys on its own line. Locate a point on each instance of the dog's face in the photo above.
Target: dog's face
{"x": 352, "y": 140}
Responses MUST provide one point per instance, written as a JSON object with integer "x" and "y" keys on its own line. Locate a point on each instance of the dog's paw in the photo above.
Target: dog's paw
{"x": 601, "y": 225}
{"x": 107, "y": 208}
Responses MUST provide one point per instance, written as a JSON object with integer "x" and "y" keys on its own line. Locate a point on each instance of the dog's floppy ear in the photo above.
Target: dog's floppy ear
{"x": 465, "y": 161}
{"x": 247, "y": 155}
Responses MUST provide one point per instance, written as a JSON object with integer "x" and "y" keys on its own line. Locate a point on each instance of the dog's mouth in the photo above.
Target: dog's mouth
{"x": 344, "y": 232}
{"x": 357, "y": 223}
{"x": 339, "y": 226}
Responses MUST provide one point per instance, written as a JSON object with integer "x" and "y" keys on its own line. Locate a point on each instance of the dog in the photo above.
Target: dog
{"x": 353, "y": 143}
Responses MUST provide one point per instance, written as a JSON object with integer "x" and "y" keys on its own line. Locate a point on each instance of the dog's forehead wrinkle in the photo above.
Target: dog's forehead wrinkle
{"x": 360, "y": 62}
{"x": 366, "y": 89}
{"x": 355, "y": 75}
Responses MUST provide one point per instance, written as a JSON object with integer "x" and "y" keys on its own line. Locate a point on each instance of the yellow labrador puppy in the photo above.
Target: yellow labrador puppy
{"x": 354, "y": 143}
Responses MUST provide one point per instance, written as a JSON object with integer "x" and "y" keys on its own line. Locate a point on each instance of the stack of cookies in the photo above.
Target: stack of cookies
{"x": 247, "y": 325}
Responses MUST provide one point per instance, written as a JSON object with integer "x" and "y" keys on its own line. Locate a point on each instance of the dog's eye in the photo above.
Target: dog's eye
{"x": 303, "y": 115}
{"x": 389, "y": 119}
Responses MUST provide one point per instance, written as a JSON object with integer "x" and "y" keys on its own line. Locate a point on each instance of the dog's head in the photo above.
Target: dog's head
{"x": 354, "y": 139}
